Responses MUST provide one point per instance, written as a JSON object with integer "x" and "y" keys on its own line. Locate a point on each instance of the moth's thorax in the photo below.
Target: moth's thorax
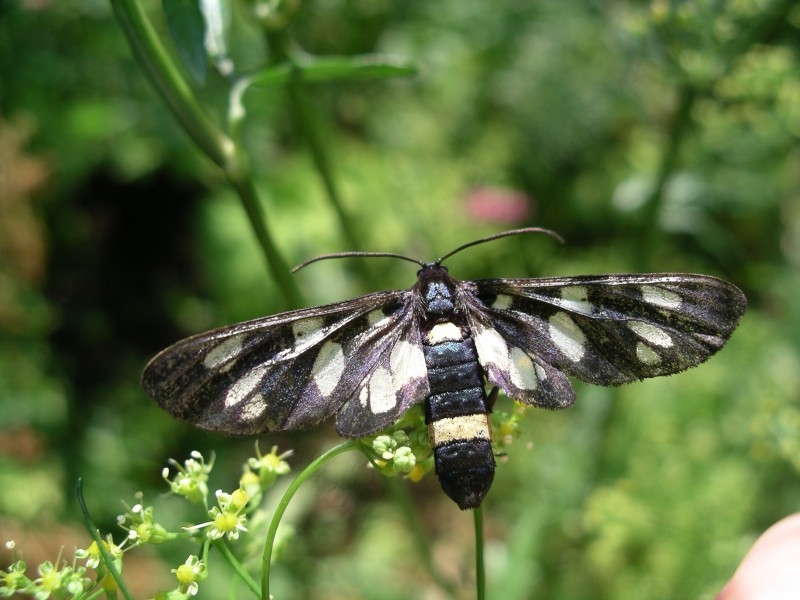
{"x": 437, "y": 292}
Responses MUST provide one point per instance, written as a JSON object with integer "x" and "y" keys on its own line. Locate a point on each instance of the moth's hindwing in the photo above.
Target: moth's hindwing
{"x": 397, "y": 379}
{"x": 606, "y": 330}
{"x": 293, "y": 370}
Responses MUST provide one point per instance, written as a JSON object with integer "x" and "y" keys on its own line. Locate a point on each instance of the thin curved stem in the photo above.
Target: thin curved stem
{"x": 226, "y": 553}
{"x": 480, "y": 572}
{"x": 302, "y": 113}
{"x": 108, "y": 560}
{"x": 284, "y": 503}
{"x": 245, "y": 189}
{"x": 304, "y": 117}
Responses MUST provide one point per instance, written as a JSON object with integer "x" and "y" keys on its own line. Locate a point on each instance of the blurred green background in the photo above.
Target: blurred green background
{"x": 654, "y": 136}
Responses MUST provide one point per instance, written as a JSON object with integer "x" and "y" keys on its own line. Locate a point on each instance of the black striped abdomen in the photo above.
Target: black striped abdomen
{"x": 457, "y": 414}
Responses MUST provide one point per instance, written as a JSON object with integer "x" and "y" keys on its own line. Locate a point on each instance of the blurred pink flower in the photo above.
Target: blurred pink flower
{"x": 498, "y": 205}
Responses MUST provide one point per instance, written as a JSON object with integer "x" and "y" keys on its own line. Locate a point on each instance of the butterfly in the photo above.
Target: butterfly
{"x": 367, "y": 360}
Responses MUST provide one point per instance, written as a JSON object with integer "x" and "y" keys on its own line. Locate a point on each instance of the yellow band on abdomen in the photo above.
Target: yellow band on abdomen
{"x": 467, "y": 427}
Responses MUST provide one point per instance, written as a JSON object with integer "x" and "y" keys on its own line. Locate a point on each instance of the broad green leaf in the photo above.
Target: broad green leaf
{"x": 188, "y": 30}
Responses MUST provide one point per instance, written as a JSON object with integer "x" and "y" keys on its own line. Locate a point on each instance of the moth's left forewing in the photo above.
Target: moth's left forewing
{"x": 285, "y": 372}
{"x": 612, "y": 329}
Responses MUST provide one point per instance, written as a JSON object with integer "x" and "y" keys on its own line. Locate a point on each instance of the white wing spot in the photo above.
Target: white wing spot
{"x": 328, "y": 367}
{"x": 308, "y": 332}
{"x": 492, "y": 348}
{"x": 567, "y": 336}
{"x": 502, "y": 302}
{"x": 522, "y": 371}
{"x": 660, "y": 297}
{"x": 382, "y": 396}
{"x": 303, "y": 327}
{"x": 254, "y": 409}
{"x": 376, "y": 318}
{"x": 651, "y": 333}
{"x": 224, "y": 352}
{"x": 407, "y": 362}
{"x": 244, "y": 386}
{"x": 576, "y": 299}
{"x": 444, "y": 332}
{"x": 646, "y": 354}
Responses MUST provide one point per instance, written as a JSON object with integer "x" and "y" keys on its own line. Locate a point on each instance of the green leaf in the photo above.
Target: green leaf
{"x": 188, "y": 29}
{"x": 336, "y": 68}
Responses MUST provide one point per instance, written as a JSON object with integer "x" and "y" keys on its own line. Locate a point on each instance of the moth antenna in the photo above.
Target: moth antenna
{"x": 503, "y": 234}
{"x": 356, "y": 254}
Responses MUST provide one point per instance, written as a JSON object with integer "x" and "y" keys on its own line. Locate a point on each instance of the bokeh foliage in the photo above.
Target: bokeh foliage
{"x": 654, "y": 136}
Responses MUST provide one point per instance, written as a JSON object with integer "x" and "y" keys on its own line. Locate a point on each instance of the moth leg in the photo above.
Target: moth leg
{"x": 491, "y": 398}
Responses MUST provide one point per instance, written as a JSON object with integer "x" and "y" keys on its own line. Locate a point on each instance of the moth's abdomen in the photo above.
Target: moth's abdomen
{"x": 456, "y": 412}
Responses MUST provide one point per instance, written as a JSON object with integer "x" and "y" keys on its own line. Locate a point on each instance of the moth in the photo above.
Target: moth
{"x": 367, "y": 360}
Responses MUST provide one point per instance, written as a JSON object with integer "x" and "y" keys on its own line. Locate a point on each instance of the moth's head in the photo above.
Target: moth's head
{"x": 432, "y": 269}
{"x": 437, "y": 290}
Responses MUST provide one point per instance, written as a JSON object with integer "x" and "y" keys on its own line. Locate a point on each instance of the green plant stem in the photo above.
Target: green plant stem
{"x": 480, "y": 573}
{"x": 245, "y": 189}
{"x": 284, "y": 503}
{"x": 227, "y": 154}
{"x": 303, "y": 116}
{"x": 108, "y": 560}
{"x": 279, "y": 44}
{"x": 226, "y": 553}
{"x": 165, "y": 75}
